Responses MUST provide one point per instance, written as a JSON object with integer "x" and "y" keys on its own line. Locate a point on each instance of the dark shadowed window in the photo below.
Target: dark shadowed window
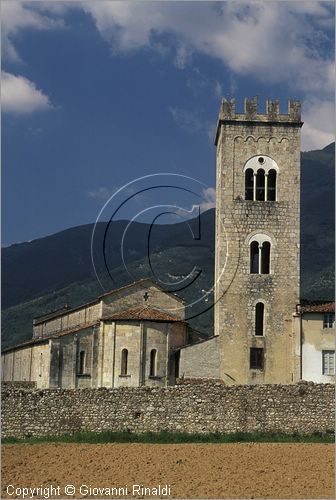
{"x": 259, "y": 319}
{"x": 256, "y": 358}
{"x": 260, "y": 185}
{"x": 249, "y": 184}
{"x": 81, "y": 365}
{"x": 254, "y": 257}
{"x": 271, "y": 185}
{"x": 265, "y": 257}
{"x": 124, "y": 361}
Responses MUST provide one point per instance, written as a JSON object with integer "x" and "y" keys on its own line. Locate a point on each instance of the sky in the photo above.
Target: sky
{"x": 98, "y": 94}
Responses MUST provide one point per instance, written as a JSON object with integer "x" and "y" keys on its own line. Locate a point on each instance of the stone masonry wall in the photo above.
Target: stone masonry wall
{"x": 203, "y": 407}
{"x": 242, "y": 138}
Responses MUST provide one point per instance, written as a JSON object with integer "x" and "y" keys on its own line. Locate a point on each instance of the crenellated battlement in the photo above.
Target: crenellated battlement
{"x": 227, "y": 113}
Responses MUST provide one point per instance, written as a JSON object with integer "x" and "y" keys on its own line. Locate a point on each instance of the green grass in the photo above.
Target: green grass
{"x": 175, "y": 438}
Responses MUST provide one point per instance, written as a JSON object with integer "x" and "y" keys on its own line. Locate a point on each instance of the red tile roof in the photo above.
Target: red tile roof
{"x": 143, "y": 313}
{"x": 139, "y": 282}
{"x": 318, "y": 307}
{"x": 51, "y": 336}
{"x": 65, "y": 310}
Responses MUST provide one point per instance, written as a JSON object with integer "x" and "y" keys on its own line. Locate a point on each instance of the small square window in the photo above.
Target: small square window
{"x": 328, "y": 320}
{"x": 256, "y": 358}
{"x": 328, "y": 362}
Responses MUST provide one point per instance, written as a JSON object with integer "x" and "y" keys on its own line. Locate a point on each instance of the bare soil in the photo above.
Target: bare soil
{"x": 242, "y": 470}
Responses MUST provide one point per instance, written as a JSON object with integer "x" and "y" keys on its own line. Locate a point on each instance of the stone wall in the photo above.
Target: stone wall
{"x": 242, "y": 138}
{"x": 201, "y": 360}
{"x": 27, "y": 364}
{"x": 203, "y": 407}
{"x": 18, "y": 385}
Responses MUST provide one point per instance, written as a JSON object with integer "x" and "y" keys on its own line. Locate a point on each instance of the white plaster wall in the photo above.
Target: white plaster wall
{"x": 312, "y": 365}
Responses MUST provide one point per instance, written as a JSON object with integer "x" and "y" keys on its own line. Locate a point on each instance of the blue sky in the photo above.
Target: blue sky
{"x": 96, "y": 94}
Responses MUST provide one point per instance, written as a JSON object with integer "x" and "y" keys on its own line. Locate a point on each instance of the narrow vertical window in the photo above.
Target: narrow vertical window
{"x": 124, "y": 361}
{"x": 153, "y": 363}
{"x": 256, "y": 358}
{"x": 265, "y": 257}
{"x": 259, "y": 319}
{"x": 271, "y": 185}
{"x": 254, "y": 257}
{"x": 249, "y": 184}
{"x": 260, "y": 193}
{"x": 328, "y": 362}
{"x": 41, "y": 365}
{"x": 81, "y": 367}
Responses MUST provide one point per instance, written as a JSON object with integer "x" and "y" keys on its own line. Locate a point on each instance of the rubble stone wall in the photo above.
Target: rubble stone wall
{"x": 201, "y": 407}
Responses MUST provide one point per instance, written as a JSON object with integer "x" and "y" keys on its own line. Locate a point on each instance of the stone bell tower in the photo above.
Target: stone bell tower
{"x": 257, "y": 241}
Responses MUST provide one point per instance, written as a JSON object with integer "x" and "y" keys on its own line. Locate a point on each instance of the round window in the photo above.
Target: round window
{"x": 261, "y": 160}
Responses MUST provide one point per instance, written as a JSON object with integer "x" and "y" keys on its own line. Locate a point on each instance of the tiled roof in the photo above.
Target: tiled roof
{"x": 65, "y": 310}
{"x": 55, "y": 335}
{"x": 143, "y": 313}
{"x": 318, "y": 307}
{"x": 141, "y": 281}
{"x": 26, "y": 343}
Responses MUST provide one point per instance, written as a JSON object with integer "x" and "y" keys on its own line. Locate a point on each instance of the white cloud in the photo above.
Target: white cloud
{"x": 218, "y": 89}
{"x": 208, "y": 201}
{"x": 17, "y": 16}
{"x": 101, "y": 193}
{"x": 105, "y": 193}
{"x": 273, "y": 41}
{"x": 192, "y": 123}
{"x": 186, "y": 120}
{"x": 20, "y": 96}
{"x": 209, "y": 198}
{"x": 319, "y": 124}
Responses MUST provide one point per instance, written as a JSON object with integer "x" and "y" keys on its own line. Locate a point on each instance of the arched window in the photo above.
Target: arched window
{"x": 153, "y": 363}
{"x": 124, "y": 360}
{"x": 265, "y": 257}
{"x": 81, "y": 364}
{"x": 260, "y": 185}
{"x": 249, "y": 184}
{"x": 260, "y": 254}
{"x": 259, "y": 319}
{"x": 254, "y": 257}
{"x": 271, "y": 185}
{"x": 260, "y": 179}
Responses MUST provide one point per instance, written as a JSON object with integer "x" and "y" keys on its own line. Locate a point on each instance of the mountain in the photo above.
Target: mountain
{"x": 49, "y": 272}
{"x": 318, "y": 223}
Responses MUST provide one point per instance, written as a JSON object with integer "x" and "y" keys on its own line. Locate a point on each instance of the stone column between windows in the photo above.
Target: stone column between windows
{"x": 266, "y": 184}
{"x": 259, "y": 257}
{"x": 254, "y": 186}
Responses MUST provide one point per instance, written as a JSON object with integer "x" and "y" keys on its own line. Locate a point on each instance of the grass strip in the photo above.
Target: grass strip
{"x": 174, "y": 438}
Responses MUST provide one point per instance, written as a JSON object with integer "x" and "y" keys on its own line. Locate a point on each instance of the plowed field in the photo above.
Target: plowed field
{"x": 242, "y": 470}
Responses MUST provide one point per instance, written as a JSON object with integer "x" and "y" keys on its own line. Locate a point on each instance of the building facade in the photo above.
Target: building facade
{"x": 314, "y": 330}
{"x": 127, "y": 337}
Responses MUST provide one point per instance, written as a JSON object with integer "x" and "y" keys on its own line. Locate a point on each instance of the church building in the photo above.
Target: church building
{"x": 129, "y": 337}
{"x": 137, "y": 335}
